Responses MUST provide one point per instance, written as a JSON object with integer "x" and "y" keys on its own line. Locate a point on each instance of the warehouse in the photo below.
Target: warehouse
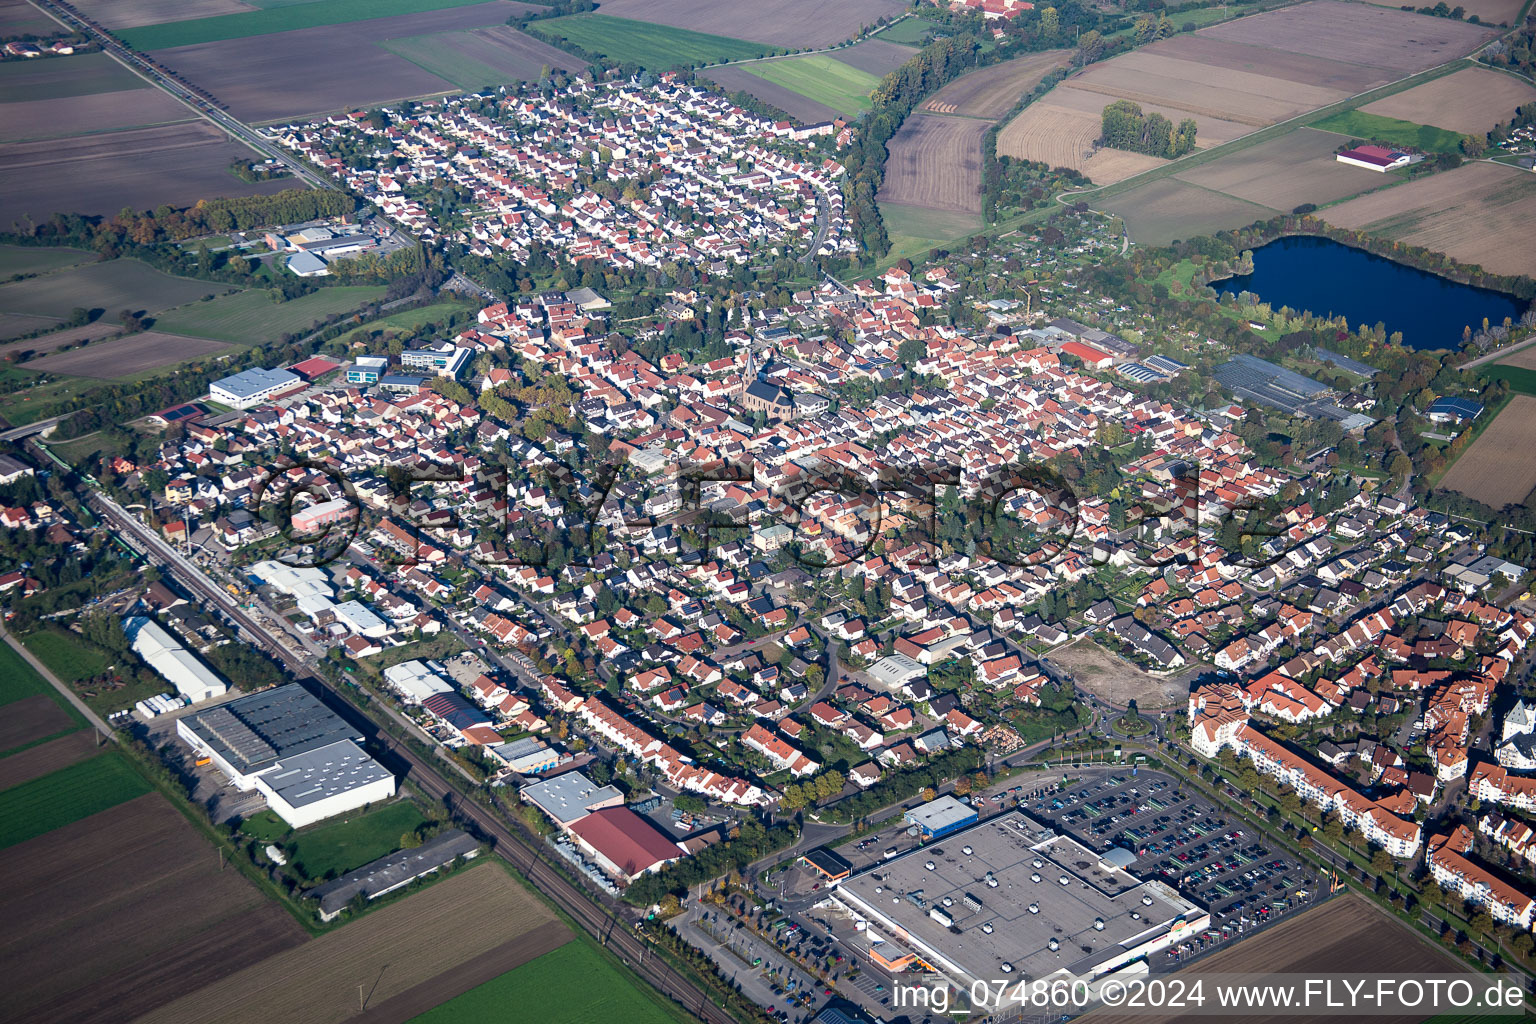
{"x": 1011, "y": 899}
{"x": 569, "y": 797}
{"x": 307, "y": 762}
{"x": 165, "y": 654}
{"x": 942, "y": 816}
{"x": 624, "y": 844}
{"x": 252, "y": 387}
{"x": 394, "y": 870}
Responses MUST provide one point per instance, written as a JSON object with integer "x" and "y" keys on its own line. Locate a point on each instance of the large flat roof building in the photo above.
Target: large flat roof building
{"x": 167, "y": 656}
{"x": 941, "y": 816}
{"x": 569, "y": 797}
{"x": 300, "y": 755}
{"x": 252, "y": 387}
{"x": 1011, "y": 899}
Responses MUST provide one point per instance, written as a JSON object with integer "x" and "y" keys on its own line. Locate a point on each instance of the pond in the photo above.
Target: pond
{"x": 1320, "y": 275}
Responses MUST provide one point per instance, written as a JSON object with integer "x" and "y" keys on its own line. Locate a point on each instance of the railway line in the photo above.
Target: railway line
{"x": 607, "y": 924}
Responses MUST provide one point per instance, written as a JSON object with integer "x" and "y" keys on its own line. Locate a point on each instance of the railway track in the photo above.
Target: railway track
{"x": 606, "y": 924}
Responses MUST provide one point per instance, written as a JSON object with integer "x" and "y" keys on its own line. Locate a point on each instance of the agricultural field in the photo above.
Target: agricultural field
{"x": 284, "y": 18}
{"x": 795, "y": 24}
{"x": 111, "y": 915}
{"x": 1490, "y": 12}
{"x": 992, "y": 91}
{"x": 327, "y": 68}
{"x": 651, "y": 46}
{"x": 1161, "y": 211}
{"x": 910, "y": 31}
{"x": 481, "y": 57}
{"x": 913, "y": 230}
{"x": 58, "y": 339}
{"x": 19, "y": 18}
{"x": 1285, "y": 171}
{"x": 575, "y": 984}
{"x": 1479, "y": 213}
{"x": 251, "y": 318}
{"x": 116, "y": 14}
{"x": 1059, "y": 130}
{"x": 935, "y": 162}
{"x": 126, "y": 357}
{"x": 1344, "y": 935}
{"x": 49, "y": 756}
{"x": 29, "y": 259}
{"x": 29, "y": 719}
{"x": 418, "y": 952}
{"x": 111, "y": 286}
{"x": 1471, "y": 101}
{"x": 69, "y": 794}
{"x": 339, "y": 846}
{"x": 14, "y": 325}
{"x": 1350, "y": 33}
{"x": 732, "y": 78}
{"x": 876, "y": 56}
{"x": 821, "y": 79}
{"x": 1498, "y": 470}
{"x": 1525, "y": 358}
{"x": 140, "y": 168}
{"x": 61, "y": 77}
{"x": 1360, "y": 125}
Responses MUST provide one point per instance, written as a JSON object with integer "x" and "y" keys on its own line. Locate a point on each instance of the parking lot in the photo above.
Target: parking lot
{"x": 1183, "y": 840}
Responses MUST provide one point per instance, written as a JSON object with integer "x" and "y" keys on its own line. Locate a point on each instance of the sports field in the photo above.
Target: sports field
{"x": 575, "y": 984}
{"x": 652, "y": 46}
{"x": 276, "y": 19}
{"x": 352, "y": 842}
{"x": 67, "y": 795}
{"x": 250, "y": 318}
{"x": 820, "y": 78}
{"x": 1358, "y": 124}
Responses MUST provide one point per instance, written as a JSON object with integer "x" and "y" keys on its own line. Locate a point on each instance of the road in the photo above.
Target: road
{"x": 17, "y": 433}
{"x": 605, "y": 922}
{"x": 140, "y": 65}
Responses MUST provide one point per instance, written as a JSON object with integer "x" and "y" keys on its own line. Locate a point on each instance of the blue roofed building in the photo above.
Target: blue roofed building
{"x": 1454, "y": 410}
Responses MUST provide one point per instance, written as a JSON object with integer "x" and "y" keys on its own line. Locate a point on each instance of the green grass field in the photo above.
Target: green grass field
{"x": 437, "y": 54}
{"x": 575, "y": 984}
{"x": 652, "y": 46}
{"x": 914, "y": 230}
{"x": 252, "y": 318}
{"x": 52, "y": 78}
{"x": 265, "y": 826}
{"x": 1519, "y": 379}
{"x": 349, "y": 844}
{"x": 65, "y": 656}
{"x": 30, "y": 259}
{"x": 819, "y": 77}
{"x": 111, "y": 286}
{"x": 907, "y": 31}
{"x": 275, "y": 18}
{"x": 1360, "y": 125}
{"x": 69, "y": 794}
{"x": 17, "y": 678}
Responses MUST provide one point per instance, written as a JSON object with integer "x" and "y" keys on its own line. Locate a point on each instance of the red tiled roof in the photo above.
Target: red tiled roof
{"x": 626, "y": 839}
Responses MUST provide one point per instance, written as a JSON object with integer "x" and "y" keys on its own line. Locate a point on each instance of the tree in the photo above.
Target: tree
{"x": 928, "y": 793}
{"x": 1381, "y": 861}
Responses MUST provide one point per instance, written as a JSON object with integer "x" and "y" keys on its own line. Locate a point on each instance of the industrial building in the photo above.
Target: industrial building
{"x": 1011, "y": 899}
{"x": 307, "y": 762}
{"x": 941, "y": 816}
{"x": 393, "y": 871}
{"x": 569, "y": 797}
{"x": 166, "y": 655}
{"x": 252, "y": 387}
{"x": 624, "y": 844}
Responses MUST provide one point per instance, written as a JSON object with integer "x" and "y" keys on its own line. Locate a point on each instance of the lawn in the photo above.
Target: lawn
{"x": 53, "y": 78}
{"x": 1360, "y": 125}
{"x": 65, "y": 656}
{"x": 69, "y": 794}
{"x": 908, "y": 31}
{"x": 652, "y": 46}
{"x": 349, "y": 844}
{"x": 33, "y": 259}
{"x": 252, "y": 318}
{"x": 575, "y": 984}
{"x": 265, "y": 827}
{"x": 274, "y": 18}
{"x": 821, "y": 78}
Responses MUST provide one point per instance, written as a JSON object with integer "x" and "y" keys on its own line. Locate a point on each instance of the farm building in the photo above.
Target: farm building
{"x": 393, "y": 871}
{"x": 252, "y": 387}
{"x": 1374, "y": 158}
{"x": 941, "y": 816}
{"x": 1011, "y": 898}
{"x": 166, "y": 655}
{"x": 307, "y": 762}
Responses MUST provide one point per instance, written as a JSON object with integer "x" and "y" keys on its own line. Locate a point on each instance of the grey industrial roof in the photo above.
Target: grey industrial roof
{"x": 252, "y": 732}
{"x": 940, "y": 813}
{"x": 248, "y": 383}
{"x": 394, "y": 870}
{"x": 1262, "y": 381}
{"x": 566, "y": 797}
{"x": 340, "y": 767}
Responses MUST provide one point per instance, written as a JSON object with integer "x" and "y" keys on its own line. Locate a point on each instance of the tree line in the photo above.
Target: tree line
{"x": 206, "y": 217}
{"x": 1124, "y": 126}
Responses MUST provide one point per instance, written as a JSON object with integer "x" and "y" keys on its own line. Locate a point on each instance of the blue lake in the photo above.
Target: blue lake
{"x": 1319, "y": 274}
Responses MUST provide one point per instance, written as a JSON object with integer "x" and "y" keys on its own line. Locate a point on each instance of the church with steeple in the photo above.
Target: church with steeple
{"x": 758, "y": 395}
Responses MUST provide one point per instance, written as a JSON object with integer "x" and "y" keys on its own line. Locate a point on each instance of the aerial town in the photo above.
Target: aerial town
{"x": 695, "y": 512}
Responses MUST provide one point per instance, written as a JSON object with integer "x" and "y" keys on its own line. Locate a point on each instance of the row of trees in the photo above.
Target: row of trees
{"x": 1124, "y": 126}
{"x": 207, "y": 217}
